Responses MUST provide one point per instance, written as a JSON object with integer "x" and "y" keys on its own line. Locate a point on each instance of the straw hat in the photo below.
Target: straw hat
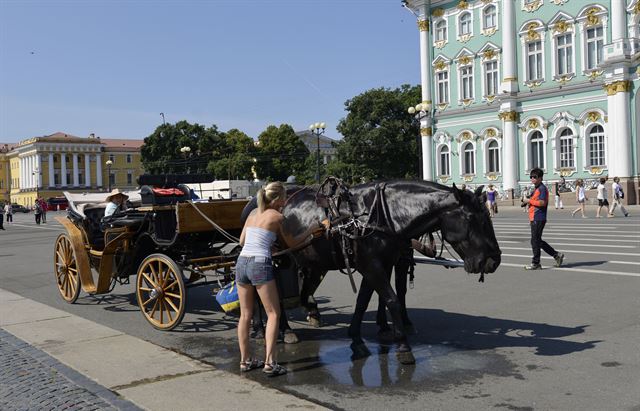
{"x": 115, "y": 192}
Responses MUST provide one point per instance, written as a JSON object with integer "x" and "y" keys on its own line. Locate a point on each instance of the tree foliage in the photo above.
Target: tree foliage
{"x": 281, "y": 153}
{"x": 380, "y": 137}
{"x": 234, "y": 159}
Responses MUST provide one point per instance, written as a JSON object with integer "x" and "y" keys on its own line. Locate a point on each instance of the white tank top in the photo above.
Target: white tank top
{"x": 258, "y": 242}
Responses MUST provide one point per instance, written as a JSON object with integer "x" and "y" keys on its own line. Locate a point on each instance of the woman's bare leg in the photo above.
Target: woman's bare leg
{"x": 269, "y": 296}
{"x": 246, "y": 297}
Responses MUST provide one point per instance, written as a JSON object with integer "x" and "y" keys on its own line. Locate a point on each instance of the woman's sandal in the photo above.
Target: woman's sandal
{"x": 250, "y": 364}
{"x": 274, "y": 369}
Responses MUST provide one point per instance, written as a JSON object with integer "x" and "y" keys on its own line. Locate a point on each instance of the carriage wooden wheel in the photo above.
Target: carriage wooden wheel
{"x": 66, "y": 269}
{"x": 160, "y": 291}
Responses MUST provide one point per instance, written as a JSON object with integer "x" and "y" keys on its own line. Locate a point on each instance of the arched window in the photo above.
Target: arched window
{"x": 441, "y": 30}
{"x": 493, "y": 155}
{"x": 489, "y": 17}
{"x": 468, "y": 166}
{"x": 596, "y": 146}
{"x": 444, "y": 162}
{"x": 536, "y": 148}
{"x": 566, "y": 149}
{"x": 465, "y": 24}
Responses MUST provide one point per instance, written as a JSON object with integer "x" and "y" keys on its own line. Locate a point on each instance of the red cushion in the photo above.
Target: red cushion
{"x": 162, "y": 192}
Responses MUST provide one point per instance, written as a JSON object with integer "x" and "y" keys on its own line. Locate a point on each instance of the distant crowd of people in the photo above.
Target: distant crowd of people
{"x": 40, "y": 209}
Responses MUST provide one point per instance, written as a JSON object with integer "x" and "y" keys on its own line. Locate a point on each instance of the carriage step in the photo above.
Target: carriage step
{"x": 95, "y": 253}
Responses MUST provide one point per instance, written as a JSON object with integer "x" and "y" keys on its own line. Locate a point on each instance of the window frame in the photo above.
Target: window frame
{"x": 468, "y": 77}
{"x": 436, "y": 30}
{"x": 489, "y": 155}
{"x": 447, "y": 86}
{"x": 557, "y": 59}
{"x": 483, "y": 14}
{"x": 539, "y": 62}
{"x": 464, "y": 171}
{"x": 461, "y": 33}
{"x": 530, "y": 161}
{"x": 441, "y": 153}
{"x": 566, "y": 139}
{"x": 485, "y": 76}
{"x": 589, "y": 134}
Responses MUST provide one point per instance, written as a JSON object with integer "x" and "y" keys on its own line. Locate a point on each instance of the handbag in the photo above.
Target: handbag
{"x": 620, "y": 192}
{"x": 227, "y": 297}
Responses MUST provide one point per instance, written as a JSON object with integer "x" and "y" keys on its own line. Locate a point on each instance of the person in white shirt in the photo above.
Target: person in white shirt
{"x": 581, "y": 198}
{"x": 616, "y": 198}
{"x": 116, "y": 202}
{"x": 8, "y": 210}
{"x": 602, "y": 197}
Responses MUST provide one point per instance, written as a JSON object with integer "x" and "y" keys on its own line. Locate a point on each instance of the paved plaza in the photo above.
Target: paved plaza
{"x": 559, "y": 338}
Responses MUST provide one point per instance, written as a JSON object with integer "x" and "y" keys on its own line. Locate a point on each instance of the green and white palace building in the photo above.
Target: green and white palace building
{"x": 509, "y": 85}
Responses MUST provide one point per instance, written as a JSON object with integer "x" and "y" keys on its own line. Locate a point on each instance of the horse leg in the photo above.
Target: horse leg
{"x": 310, "y": 282}
{"x": 402, "y": 274}
{"x": 381, "y": 314}
{"x": 288, "y": 335}
{"x": 362, "y": 302}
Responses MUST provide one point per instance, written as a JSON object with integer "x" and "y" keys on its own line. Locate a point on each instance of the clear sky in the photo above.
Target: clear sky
{"x": 110, "y": 67}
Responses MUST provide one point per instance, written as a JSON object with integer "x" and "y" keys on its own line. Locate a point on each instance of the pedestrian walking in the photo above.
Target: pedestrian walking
{"x": 602, "y": 197}
{"x": 537, "y": 219}
{"x": 45, "y": 208}
{"x": 8, "y": 211}
{"x": 581, "y": 198}
{"x": 558, "y": 199}
{"x": 2, "y": 217}
{"x": 617, "y": 194}
{"x": 37, "y": 211}
{"x": 491, "y": 201}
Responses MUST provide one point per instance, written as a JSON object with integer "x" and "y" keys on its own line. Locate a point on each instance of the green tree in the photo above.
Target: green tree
{"x": 280, "y": 154}
{"x": 380, "y": 137}
{"x": 234, "y": 159}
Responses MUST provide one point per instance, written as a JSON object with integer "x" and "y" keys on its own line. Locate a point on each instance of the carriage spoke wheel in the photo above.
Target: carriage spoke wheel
{"x": 65, "y": 266}
{"x": 160, "y": 291}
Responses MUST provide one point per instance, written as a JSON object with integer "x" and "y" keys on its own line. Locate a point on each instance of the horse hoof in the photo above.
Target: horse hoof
{"x": 290, "y": 337}
{"x": 314, "y": 321}
{"x": 405, "y": 357}
{"x": 359, "y": 350}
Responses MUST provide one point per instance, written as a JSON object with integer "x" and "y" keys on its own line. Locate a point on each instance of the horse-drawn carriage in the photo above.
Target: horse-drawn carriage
{"x": 168, "y": 241}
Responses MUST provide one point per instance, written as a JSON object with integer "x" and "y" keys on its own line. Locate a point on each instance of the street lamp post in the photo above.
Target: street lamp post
{"x": 109, "y": 163}
{"x": 317, "y": 129}
{"x": 36, "y": 172}
{"x": 186, "y": 150}
{"x": 163, "y": 122}
{"x": 421, "y": 112}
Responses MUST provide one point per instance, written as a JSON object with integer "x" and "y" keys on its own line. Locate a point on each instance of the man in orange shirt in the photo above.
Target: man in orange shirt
{"x": 537, "y": 219}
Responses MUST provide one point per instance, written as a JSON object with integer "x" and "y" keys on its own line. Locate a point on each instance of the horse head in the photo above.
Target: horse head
{"x": 469, "y": 230}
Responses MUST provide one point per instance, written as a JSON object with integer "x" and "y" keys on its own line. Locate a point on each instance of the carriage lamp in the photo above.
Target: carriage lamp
{"x": 109, "y": 163}
{"x": 317, "y": 129}
{"x": 186, "y": 150}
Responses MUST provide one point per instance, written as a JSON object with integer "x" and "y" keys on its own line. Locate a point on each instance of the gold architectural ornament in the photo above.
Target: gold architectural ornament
{"x": 465, "y": 136}
{"x": 593, "y": 116}
{"x": 442, "y": 106}
{"x": 488, "y": 54}
{"x": 463, "y": 5}
{"x": 467, "y": 179}
{"x": 444, "y": 179}
{"x": 561, "y": 26}
{"x": 566, "y": 172}
{"x": 491, "y": 133}
{"x": 506, "y": 79}
{"x": 464, "y": 60}
{"x": 439, "y": 12}
{"x": 559, "y": 2}
{"x": 490, "y": 98}
{"x": 532, "y": 34}
{"x": 533, "y": 84}
{"x": 564, "y": 79}
{"x": 464, "y": 38}
{"x": 467, "y": 102}
{"x": 423, "y": 25}
{"x": 440, "y": 44}
{"x": 532, "y": 6}
{"x": 440, "y": 65}
{"x": 595, "y": 74}
{"x": 622, "y": 86}
{"x": 592, "y": 19}
{"x": 489, "y": 32}
{"x": 533, "y": 124}
{"x": 636, "y": 9}
{"x": 486, "y": 1}
{"x": 426, "y": 131}
{"x": 492, "y": 176}
{"x": 596, "y": 170}
{"x": 508, "y": 116}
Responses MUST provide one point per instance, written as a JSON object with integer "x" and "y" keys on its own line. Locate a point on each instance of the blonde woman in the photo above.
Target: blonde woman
{"x": 581, "y": 198}
{"x": 254, "y": 271}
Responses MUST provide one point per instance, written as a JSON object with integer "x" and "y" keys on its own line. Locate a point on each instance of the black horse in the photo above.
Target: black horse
{"x": 389, "y": 214}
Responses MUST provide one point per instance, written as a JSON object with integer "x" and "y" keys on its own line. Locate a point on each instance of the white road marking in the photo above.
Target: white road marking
{"x": 580, "y": 270}
{"x": 38, "y": 227}
{"x": 573, "y": 251}
{"x": 596, "y": 239}
{"x": 551, "y": 258}
{"x": 577, "y": 234}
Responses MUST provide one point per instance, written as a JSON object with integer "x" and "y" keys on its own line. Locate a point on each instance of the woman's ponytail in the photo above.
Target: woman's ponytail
{"x": 262, "y": 200}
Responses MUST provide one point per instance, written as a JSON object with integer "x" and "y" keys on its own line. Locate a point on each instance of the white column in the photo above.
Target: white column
{"x": 30, "y": 174}
{"x": 619, "y": 129}
{"x": 76, "y": 179}
{"x": 52, "y": 171}
{"x": 87, "y": 170}
{"x": 22, "y": 182}
{"x": 618, "y": 20}
{"x": 98, "y": 170}
{"x": 39, "y": 173}
{"x": 63, "y": 169}
{"x": 509, "y": 149}
{"x": 509, "y": 42}
{"x": 426, "y": 132}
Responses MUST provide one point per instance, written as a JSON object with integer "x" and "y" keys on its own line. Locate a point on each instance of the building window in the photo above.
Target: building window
{"x": 129, "y": 178}
{"x": 441, "y": 30}
{"x": 129, "y": 158}
{"x": 466, "y": 82}
{"x": 442, "y": 81}
{"x": 596, "y": 146}
{"x": 468, "y": 166}
{"x": 489, "y": 17}
{"x": 493, "y": 155}
{"x": 491, "y": 78}
{"x": 566, "y": 149}
{"x": 536, "y": 147}
{"x": 595, "y": 45}
{"x": 444, "y": 162}
{"x": 69, "y": 180}
{"x": 534, "y": 61}
{"x": 564, "y": 54}
{"x": 465, "y": 24}
{"x": 80, "y": 179}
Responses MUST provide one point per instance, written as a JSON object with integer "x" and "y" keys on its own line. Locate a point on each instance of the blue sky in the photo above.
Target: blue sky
{"x": 110, "y": 67}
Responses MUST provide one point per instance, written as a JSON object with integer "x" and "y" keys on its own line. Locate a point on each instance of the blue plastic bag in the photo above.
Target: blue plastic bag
{"x": 227, "y": 297}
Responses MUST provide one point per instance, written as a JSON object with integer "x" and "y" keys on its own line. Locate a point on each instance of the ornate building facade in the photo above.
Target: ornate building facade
{"x": 45, "y": 166}
{"x": 509, "y": 85}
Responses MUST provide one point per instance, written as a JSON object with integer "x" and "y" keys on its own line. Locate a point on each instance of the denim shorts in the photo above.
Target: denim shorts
{"x": 254, "y": 270}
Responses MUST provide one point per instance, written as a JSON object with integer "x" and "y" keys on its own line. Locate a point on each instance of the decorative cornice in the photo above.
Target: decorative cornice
{"x": 622, "y": 86}
{"x": 508, "y": 116}
{"x": 426, "y": 131}
{"x": 423, "y": 25}
{"x": 439, "y": 12}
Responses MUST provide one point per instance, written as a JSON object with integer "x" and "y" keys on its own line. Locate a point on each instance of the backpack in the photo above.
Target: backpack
{"x": 620, "y": 193}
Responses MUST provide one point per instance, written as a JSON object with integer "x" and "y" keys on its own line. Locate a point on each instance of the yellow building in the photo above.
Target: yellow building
{"x": 46, "y": 166}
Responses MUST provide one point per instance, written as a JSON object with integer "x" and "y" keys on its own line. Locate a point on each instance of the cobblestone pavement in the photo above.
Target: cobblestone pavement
{"x": 30, "y": 379}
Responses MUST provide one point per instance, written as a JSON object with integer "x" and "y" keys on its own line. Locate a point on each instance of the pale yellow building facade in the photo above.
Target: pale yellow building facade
{"x": 46, "y": 166}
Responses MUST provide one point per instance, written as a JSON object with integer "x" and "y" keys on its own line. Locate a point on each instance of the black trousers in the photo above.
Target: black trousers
{"x": 9, "y": 218}
{"x": 2, "y": 221}
{"x": 537, "y": 242}
{"x": 38, "y": 217}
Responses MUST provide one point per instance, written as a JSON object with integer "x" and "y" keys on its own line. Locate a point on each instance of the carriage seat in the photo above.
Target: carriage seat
{"x": 92, "y": 224}
{"x": 164, "y": 196}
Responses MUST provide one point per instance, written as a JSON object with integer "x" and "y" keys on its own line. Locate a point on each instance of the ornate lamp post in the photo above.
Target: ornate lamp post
{"x": 186, "y": 150}
{"x": 317, "y": 129}
{"x": 36, "y": 172}
{"x": 109, "y": 163}
{"x": 163, "y": 122}
{"x": 420, "y": 112}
